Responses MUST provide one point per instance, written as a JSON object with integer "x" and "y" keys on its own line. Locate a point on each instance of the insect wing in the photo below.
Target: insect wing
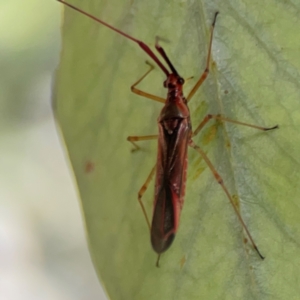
{"x": 170, "y": 183}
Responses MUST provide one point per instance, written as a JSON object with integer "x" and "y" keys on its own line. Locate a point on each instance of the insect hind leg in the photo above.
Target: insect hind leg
{"x": 142, "y": 192}
{"x": 219, "y": 179}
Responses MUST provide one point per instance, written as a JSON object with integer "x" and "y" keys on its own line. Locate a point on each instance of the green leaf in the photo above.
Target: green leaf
{"x": 254, "y": 78}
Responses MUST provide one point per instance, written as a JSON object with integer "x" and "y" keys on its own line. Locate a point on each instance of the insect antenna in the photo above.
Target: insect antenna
{"x": 165, "y": 57}
{"x": 142, "y": 45}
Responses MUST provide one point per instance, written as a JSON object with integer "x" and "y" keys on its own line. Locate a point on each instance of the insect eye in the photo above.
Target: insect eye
{"x": 180, "y": 81}
{"x": 165, "y": 83}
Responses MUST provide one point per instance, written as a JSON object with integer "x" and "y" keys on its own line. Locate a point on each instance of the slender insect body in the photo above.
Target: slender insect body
{"x": 174, "y": 133}
{"x": 174, "y": 137}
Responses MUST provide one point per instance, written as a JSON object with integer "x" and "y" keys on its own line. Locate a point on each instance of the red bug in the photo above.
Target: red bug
{"x": 174, "y": 136}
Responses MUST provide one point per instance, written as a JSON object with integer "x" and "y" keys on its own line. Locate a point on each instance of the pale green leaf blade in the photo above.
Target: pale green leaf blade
{"x": 255, "y": 79}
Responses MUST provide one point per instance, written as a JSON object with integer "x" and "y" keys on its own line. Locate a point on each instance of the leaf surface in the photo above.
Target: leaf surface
{"x": 254, "y": 78}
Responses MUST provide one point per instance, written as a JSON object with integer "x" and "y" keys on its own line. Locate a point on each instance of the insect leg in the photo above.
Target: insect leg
{"x": 220, "y": 181}
{"x": 208, "y": 117}
{"x": 206, "y": 71}
{"x": 142, "y": 93}
{"x": 133, "y": 139}
{"x": 144, "y": 187}
{"x": 142, "y": 191}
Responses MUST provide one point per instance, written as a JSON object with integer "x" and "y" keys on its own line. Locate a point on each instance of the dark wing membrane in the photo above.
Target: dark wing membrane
{"x": 172, "y": 155}
{"x": 162, "y": 233}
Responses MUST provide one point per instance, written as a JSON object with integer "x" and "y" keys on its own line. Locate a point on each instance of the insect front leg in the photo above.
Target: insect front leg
{"x": 142, "y": 93}
{"x": 206, "y": 71}
{"x": 219, "y": 179}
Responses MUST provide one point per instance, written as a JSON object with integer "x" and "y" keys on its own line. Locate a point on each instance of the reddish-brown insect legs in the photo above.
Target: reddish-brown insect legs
{"x": 209, "y": 117}
{"x": 206, "y": 71}
{"x": 193, "y": 145}
{"x": 174, "y": 137}
{"x": 219, "y": 117}
{"x": 142, "y": 93}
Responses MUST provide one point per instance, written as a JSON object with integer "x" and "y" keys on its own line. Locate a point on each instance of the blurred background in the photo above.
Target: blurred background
{"x": 43, "y": 251}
